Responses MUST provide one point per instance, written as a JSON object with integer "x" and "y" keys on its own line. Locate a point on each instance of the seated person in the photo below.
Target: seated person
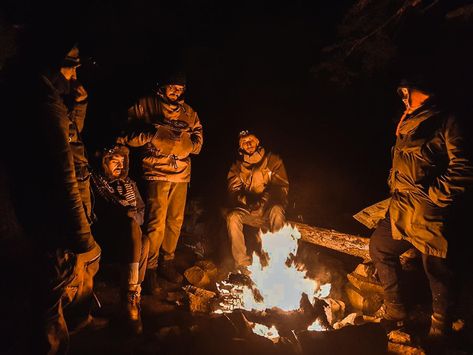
{"x": 258, "y": 187}
{"x": 120, "y": 210}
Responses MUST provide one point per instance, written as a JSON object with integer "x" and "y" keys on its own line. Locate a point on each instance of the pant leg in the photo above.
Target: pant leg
{"x": 440, "y": 280}
{"x": 77, "y": 309}
{"x": 174, "y": 218}
{"x": 385, "y": 252}
{"x": 276, "y": 217}
{"x": 84, "y": 190}
{"x": 237, "y": 238}
{"x": 50, "y": 332}
{"x": 156, "y": 209}
{"x": 143, "y": 261}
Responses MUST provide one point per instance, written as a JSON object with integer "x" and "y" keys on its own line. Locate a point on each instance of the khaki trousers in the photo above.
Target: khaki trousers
{"x": 165, "y": 204}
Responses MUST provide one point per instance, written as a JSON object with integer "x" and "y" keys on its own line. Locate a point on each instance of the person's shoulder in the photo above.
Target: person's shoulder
{"x": 273, "y": 156}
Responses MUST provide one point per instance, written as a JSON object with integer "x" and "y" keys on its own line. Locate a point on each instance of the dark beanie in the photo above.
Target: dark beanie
{"x": 174, "y": 78}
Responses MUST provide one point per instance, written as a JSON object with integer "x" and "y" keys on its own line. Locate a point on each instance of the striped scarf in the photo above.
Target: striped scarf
{"x": 119, "y": 192}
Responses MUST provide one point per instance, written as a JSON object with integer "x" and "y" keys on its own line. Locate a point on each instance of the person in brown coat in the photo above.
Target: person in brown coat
{"x": 258, "y": 188}
{"x": 172, "y": 133}
{"x": 431, "y": 170}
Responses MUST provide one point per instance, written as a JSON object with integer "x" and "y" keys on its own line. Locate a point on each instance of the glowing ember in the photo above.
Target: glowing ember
{"x": 279, "y": 283}
{"x": 262, "y": 330}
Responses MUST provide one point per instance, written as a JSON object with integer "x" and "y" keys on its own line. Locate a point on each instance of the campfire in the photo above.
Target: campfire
{"x": 278, "y": 291}
{"x": 281, "y": 302}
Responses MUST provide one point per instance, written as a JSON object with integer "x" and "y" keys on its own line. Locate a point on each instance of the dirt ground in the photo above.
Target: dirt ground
{"x": 169, "y": 327}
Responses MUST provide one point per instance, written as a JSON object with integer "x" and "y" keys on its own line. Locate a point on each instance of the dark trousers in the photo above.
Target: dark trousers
{"x": 64, "y": 282}
{"x": 385, "y": 252}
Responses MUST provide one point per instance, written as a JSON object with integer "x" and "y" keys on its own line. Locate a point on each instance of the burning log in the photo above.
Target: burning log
{"x": 287, "y": 321}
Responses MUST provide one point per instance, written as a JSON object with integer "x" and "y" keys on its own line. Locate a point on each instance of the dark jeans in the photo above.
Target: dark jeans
{"x": 385, "y": 252}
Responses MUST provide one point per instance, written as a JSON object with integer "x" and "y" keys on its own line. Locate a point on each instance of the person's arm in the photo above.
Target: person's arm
{"x": 458, "y": 175}
{"x": 197, "y": 136}
{"x": 279, "y": 185}
{"x": 235, "y": 188}
{"x": 79, "y": 108}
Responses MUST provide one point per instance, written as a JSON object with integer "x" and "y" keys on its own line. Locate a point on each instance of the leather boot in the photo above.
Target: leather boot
{"x": 393, "y": 315}
{"x": 132, "y": 309}
{"x": 150, "y": 283}
{"x": 168, "y": 271}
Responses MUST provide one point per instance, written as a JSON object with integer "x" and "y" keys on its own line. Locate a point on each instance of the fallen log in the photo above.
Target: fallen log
{"x": 332, "y": 239}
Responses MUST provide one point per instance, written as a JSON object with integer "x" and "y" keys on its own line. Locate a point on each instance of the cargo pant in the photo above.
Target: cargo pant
{"x": 165, "y": 204}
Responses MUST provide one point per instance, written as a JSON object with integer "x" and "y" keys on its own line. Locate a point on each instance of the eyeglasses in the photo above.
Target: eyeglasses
{"x": 243, "y": 133}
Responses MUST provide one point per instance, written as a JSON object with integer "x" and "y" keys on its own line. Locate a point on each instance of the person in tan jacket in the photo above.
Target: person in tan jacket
{"x": 171, "y": 132}
{"x": 258, "y": 187}
{"x": 431, "y": 170}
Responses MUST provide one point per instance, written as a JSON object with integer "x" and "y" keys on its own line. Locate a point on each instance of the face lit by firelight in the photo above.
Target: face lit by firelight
{"x": 115, "y": 165}
{"x": 249, "y": 144}
{"x": 174, "y": 92}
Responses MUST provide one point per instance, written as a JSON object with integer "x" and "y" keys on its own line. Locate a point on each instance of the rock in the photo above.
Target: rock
{"x": 401, "y": 349}
{"x": 364, "y": 283}
{"x": 197, "y": 277}
{"x": 399, "y": 337}
{"x": 199, "y": 299}
{"x": 367, "y": 302}
{"x": 209, "y": 267}
{"x": 335, "y": 310}
{"x": 364, "y": 269}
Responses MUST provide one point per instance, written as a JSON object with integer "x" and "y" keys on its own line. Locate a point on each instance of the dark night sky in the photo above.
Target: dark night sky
{"x": 249, "y": 67}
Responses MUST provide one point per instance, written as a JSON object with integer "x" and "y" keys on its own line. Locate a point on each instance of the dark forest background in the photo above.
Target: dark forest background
{"x": 315, "y": 80}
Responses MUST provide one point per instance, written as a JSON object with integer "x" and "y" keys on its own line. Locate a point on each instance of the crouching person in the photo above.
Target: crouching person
{"x": 120, "y": 210}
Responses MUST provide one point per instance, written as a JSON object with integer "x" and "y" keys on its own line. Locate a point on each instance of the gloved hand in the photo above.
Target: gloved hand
{"x": 171, "y": 141}
{"x": 257, "y": 205}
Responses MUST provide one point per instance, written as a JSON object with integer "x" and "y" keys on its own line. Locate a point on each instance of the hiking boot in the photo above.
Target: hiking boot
{"x": 439, "y": 326}
{"x": 393, "y": 316}
{"x": 151, "y": 284}
{"x": 90, "y": 324}
{"x": 131, "y": 303}
{"x": 168, "y": 271}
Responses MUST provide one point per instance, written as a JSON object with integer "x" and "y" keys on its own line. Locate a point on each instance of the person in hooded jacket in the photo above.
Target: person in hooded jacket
{"x": 75, "y": 98}
{"x": 170, "y": 133}
{"x": 258, "y": 187}
{"x": 120, "y": 211}
{"x": 63, "y": 253}
{"x": 432, "y": 169}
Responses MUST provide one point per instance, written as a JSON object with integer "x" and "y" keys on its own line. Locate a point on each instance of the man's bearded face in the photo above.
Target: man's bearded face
{"x": 249, "y": 144}
{"x": 115, "y": 165}
{"x": 174, "y": 92}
